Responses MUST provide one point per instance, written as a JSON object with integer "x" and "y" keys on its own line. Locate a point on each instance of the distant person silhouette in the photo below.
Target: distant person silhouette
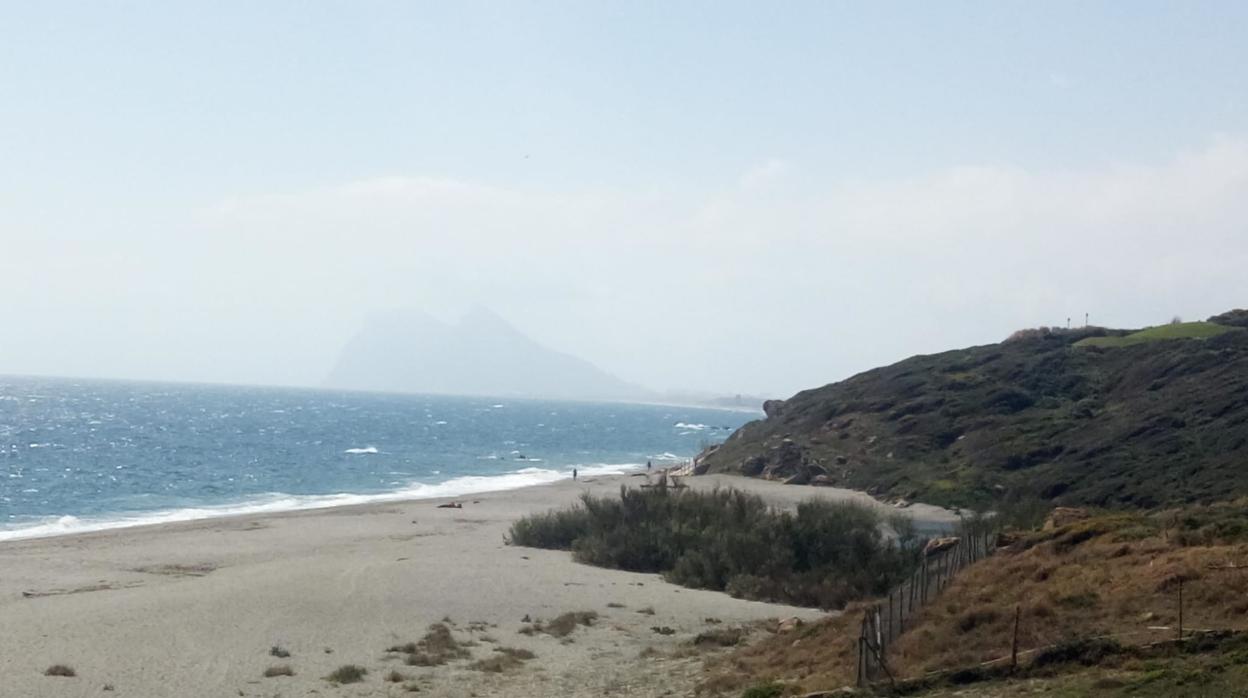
{"x": 647, "y": 465}
{"x": 574, "y": 473}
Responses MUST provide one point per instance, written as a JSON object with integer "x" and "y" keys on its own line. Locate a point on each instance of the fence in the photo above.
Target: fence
{"x": 884, "y": 622}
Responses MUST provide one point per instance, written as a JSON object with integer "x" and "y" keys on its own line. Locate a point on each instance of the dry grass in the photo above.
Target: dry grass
{"x": 60, "y": 670}
{"x": 279, "y": 670}
{"x": 506, "y": 658}
{"x": 1106, "y": 576}
{"x": 817, "y": 656}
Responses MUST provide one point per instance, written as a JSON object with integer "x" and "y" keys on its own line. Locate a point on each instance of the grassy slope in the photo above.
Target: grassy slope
{"x": 1184, "y": 330}
{"x": 1116, "y": 574}
{"x": 1141, "y": 425}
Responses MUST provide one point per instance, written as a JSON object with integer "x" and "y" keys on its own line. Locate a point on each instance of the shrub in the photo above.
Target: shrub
{"x": 824, "y": 554}
{"x": 60, "y": 670}
{"x": 279, "y": 652}
{"x": 279, "y": 670}
{"x": 347, "y": 673}
{"x": 563, "y": 625}
{"x": 437, "y": 647}
{"x": 770, "y": 689}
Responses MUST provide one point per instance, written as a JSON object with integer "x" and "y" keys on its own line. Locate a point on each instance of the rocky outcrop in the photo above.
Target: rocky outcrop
{"x": 771, "y": 408}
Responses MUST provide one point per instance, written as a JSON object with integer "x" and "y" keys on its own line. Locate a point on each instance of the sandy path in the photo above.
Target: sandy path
{"x": 192, "y": 609}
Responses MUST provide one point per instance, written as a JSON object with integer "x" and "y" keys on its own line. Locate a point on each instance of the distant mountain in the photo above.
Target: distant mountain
{"x": 409, "y": 351}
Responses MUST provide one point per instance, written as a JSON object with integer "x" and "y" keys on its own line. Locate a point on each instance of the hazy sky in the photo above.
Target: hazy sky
{"x": 727, "y": 196}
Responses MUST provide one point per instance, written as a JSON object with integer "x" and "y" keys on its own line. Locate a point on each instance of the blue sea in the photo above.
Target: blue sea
{"x": 80, "y": 455}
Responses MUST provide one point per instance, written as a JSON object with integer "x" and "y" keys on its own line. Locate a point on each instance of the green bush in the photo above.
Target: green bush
{"x": 764, "y": 690}
{"x": 825, "y": 554}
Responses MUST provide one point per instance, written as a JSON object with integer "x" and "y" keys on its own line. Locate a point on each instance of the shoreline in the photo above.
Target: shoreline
{"x": 193, "y": 608}
{"x": 276, "y": 503}
{"x": 930, "y": 518}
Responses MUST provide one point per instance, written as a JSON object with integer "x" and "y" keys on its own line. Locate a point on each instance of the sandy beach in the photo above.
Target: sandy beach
{"x": 193, "y": 609}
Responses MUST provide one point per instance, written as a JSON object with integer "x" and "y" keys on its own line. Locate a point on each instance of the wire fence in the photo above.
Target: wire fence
{"x": 885, "y": 621}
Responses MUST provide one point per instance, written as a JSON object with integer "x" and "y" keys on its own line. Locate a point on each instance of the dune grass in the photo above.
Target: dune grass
{"x": 824, "y": 554}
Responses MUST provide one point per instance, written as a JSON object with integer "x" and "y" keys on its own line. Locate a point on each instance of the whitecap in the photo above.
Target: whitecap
{"x": 692, "y": 427}
{"x": 279, "y": 502}
{"x": 366, "y": 449}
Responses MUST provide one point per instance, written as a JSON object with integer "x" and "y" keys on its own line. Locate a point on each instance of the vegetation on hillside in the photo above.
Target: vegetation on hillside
{"x": 1047, "y": 415}
{"x": 1176, "y": 330}
{"x": 824, "y": 554}
{"x": 1112, "y": 578}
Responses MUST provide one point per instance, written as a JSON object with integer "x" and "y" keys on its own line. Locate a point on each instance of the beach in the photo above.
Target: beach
{"x": 195, "y": 608}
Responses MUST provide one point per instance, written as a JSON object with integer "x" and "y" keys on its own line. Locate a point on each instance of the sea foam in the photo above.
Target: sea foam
{"x": 278, "y": 502}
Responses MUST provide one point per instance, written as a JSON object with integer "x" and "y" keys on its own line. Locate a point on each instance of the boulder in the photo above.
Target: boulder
{"x": 822, "y": 481}
{"x": 788, "y": 625}
{"x": 753, "y": 467}
{"x": 771, "y": 408}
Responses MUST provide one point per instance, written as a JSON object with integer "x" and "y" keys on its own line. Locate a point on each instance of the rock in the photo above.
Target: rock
{"x": 822, "y": 481}
{"x": 753, "y": 467}
{"x": 1147, "y": 616}
{"x": 772, "y": 408}
{"x": 1063, "y": 516}
{"x": 802, "y": 477}
{"x": 788, "y": 625}
{"x": 938, "y": 545}
{"x": 901, "y": 504}
{"x": 841, "y": 460}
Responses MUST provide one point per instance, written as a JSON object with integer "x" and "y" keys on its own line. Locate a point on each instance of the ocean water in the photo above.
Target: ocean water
{"x": 81, "y": 455}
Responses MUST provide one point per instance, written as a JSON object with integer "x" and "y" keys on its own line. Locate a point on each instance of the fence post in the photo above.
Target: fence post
{"x": 1018, "y": 612}
{"x": 1180, "y": 608}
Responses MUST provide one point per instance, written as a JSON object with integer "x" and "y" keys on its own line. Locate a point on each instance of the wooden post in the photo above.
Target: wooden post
{"x": 1018, "y": 612}
{"x": 1180, "y": 608}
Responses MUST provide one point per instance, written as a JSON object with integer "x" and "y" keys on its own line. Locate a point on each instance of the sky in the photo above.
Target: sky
{"x": 722, "y": 196}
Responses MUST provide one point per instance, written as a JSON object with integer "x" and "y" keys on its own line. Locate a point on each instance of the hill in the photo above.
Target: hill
{"x": 409, "y": 351}
{"x": 1045, "y": 415}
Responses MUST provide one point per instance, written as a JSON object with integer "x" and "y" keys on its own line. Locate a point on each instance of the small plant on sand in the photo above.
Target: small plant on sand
{"x": 279, "y": 670}
{"x": 505, "y": 659}
{"x": 395, "y": 677}
{"x": 613, "y": 604}
{"x": 347, "y": 673}
{"x": 279, "y": 652}
{"x": 60, "y": 670}
{"x": 720, "y": 637}
{"x": 563, "y": 625}
{"x": 647, "y": 611}
{"x": 437, "y": 647}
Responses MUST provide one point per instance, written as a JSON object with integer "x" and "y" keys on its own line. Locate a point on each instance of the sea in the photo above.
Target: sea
{"x": 85, "y": 455}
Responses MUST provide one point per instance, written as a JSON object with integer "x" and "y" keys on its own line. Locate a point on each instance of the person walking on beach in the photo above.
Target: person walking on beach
{"x": 647, "y": 465}
{"x": 574, "y": 473}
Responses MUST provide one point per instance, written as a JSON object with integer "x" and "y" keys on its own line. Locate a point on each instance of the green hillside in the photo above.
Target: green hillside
{"x": 1049, "y": 415}
{"x": 1180, "y": 330}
